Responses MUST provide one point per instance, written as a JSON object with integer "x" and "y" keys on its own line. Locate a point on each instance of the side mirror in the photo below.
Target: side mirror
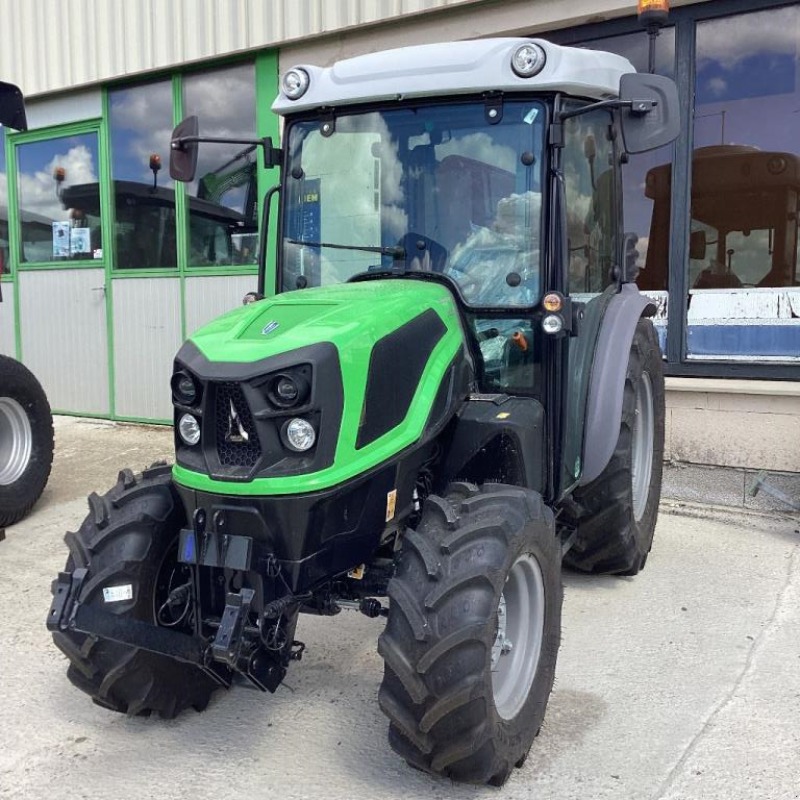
{"x": 651, "y": 116}
{"x": 697, "y": 245}
{"x": 183, "y": 150}
{"x": 12, "y": 107}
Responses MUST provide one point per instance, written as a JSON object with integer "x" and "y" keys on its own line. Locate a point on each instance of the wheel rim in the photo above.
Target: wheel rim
{"x": 518, "y": 644}
{"x": 642, "y": 446}
{"x": 16, "y": 441}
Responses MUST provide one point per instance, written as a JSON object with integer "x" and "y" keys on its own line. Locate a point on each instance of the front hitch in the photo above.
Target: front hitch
{"x": 231, "y": 650}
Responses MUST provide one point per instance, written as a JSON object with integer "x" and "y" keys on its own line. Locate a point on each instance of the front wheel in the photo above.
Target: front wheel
{"x": 129, "y": 544}
{"x": 473, "y": 633}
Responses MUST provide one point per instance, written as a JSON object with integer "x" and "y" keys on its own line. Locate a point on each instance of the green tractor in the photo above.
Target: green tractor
{"x": 452, "y": 386}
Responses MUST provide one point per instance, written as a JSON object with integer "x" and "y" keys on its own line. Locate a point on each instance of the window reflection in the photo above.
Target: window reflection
{"x": 5, "y": 265}
{"x": 648, "y": 219}
{"x": 745, "y": 185}
{"x": 59, "y": 220}
{"x": 223, "y": 218}
{"x": 591, "y": 199}
{"x": 140, "y": 124}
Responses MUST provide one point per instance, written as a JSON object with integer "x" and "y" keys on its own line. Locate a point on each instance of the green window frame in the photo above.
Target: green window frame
{"x": 267, "y": 124}
{"x": 13, "y": 142}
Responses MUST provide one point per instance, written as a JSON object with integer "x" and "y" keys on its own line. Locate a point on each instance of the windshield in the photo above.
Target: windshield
{"x": 430, "y": 188}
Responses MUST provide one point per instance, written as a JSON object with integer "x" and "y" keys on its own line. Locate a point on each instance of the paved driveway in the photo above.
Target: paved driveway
{"x": 681, "y": 683}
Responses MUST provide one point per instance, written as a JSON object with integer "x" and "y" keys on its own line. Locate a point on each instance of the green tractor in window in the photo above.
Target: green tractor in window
{"x": 419, "y": 410}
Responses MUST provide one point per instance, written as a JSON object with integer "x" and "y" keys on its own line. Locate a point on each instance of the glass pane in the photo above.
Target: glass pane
{"x": 140, "y": 124}
{"x": 439, "y": 189}
{"x": 591, "y": 200}
{"x": 5, "y": 265}
{"x": 223, "y": 207}
{"x": 57, "y": 187}
{"x": 744, "y": 283}
{"x": 646, "y": 213}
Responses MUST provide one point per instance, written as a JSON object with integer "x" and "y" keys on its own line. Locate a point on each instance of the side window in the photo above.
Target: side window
{"x": 591, "y": 196}
{"x": 223, "y": 210}
{"x": 59, "y": 199}
{"x": 143, "y": 194}
{"x": 5, "y": 265}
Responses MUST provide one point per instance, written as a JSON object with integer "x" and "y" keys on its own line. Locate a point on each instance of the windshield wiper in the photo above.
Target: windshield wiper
{"x": 394, "y": 252}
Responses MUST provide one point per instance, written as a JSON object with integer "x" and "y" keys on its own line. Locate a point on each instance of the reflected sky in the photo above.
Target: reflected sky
{"x": 36, "y": 164}
{"x": 141, "y": 125}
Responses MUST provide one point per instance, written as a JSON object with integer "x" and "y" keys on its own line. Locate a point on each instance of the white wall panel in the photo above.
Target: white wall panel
{"x": 209, "y": 298}
{"x": 50, "y": 46}
{"x": 147, "y": 334}
{"x": 7, "y": 343}
{"x": 64, "y": 336}
{"x": 69, "y": 107}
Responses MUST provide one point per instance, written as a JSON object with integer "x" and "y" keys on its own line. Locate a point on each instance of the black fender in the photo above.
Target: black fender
{"x": 607, "y": 381}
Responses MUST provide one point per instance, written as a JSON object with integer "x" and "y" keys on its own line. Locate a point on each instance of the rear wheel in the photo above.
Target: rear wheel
{"x": 619, "y": 510}
{"x": 26, "y": 441}
{"x": 473, "y": 633}
{"x": 129, "y": 545}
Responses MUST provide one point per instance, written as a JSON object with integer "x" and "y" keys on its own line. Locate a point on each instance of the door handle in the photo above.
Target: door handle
{"x": 100, "y": 289}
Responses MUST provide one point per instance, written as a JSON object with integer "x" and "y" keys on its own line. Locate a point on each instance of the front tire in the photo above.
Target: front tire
{"x": 619, "y": 509}
{"x": 26, "y": 441}
{"x": 465, "y": 701}
{"x": 129, "y": 540}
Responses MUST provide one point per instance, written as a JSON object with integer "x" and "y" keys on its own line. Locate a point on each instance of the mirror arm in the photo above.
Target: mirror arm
{"x": 636, "y": 107}
{"x": 273, "y": 156}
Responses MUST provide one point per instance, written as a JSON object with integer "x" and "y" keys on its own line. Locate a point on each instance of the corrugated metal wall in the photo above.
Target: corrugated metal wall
{"x": 49, "y": 46}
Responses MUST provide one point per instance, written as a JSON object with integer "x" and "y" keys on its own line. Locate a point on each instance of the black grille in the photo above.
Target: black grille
{"x": 233, "y": 450}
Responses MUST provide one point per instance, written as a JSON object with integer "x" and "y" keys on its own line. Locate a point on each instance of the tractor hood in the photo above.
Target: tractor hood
{"x": 351, "y": 316}
{"x": 377, "y": 364}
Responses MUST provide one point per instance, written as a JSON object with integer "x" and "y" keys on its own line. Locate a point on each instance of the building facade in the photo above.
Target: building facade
{"x": 107, "y": 265}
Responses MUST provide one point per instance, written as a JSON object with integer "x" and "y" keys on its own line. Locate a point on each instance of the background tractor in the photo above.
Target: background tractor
{"x": 417, "y": 411}
{"x": 26, "y": 425}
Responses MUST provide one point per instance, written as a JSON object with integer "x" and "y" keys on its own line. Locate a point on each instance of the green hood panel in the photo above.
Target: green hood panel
{"x": 353, "y": 317}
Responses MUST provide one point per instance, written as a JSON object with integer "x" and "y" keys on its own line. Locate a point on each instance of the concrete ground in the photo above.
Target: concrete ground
{"x": 681, "y": 683}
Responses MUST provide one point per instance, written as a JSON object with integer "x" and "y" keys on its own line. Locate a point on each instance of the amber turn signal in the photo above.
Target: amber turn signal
{"x": 552, "y": 302}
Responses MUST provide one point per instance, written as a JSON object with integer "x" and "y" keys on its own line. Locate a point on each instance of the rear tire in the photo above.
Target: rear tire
{"x": 456, "y": 708}
{"x": 619, "y": 509}
{"x": 26, "y": 441}
{"x": 130, "y": 539}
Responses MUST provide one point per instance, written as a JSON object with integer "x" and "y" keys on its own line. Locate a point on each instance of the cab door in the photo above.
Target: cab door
{"x": 593, "y": 222}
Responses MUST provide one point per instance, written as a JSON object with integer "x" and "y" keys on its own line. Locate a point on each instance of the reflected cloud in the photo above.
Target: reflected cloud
{"x": 37, "y": 189}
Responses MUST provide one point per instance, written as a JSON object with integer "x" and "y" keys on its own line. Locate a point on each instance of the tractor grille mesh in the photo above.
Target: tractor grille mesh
{"x": 233, "y": 449}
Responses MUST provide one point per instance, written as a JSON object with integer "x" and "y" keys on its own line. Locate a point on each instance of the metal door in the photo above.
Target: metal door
{"x": 60, "y": 264}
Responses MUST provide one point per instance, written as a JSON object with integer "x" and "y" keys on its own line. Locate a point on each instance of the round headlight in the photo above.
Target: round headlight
{"x": 299, "y": 435}
{"x": 189, "y": 429}
{"x": 552, "y": 323}
{"x": 286, "y": 390}
{"x": 184, "y": 389}
{"x": 295, "y": 83}
{"x": 528, "y": 60}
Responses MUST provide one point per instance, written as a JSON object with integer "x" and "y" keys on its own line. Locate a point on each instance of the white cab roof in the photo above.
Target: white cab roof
{"x": 456, "y": 68}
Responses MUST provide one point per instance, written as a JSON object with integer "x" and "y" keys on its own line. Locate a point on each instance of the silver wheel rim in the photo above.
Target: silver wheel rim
{"x": 518, "y": 644}
{"x": 16, "y": 441}
{"x": 642, "y": 446}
